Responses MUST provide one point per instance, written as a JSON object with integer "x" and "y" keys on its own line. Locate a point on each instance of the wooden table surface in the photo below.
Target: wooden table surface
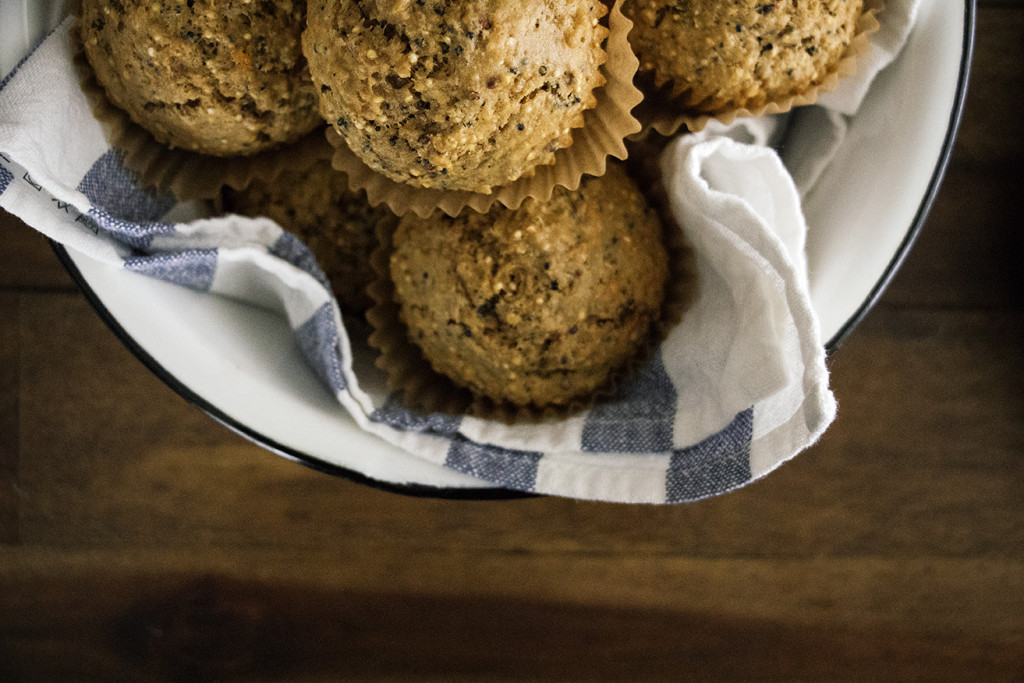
{"x": 141, "y": 540}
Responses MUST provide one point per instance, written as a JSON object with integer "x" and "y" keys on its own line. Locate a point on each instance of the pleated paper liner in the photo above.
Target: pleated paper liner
{"x": 419, "y": 387}
{"x": 667, "y": 115}
{"x": 187, "y": 175}
{"x": 604, "y": 129}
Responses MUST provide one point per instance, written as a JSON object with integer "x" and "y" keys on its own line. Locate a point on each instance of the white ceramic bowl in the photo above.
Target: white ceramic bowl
{"x": 863, "y": 215}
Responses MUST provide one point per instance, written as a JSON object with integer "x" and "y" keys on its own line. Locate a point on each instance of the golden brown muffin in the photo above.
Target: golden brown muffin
{"x": 214, "y": 77}
{"x": 457, "y": 95}
{"x": 723, "y": 55}
{"x": 537, "y": 306}
{"x": 337, "y": 225}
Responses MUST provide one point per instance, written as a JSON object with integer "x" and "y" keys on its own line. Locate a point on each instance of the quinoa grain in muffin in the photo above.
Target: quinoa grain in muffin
{"x": 456, "y": 95}
{"x": 218, "y": 77}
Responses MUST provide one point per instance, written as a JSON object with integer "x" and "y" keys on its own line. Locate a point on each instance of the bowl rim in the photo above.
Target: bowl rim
{"x": 497, "y": 493}
{"x": 293, "y": 454}
{"x": 923, "y": 209}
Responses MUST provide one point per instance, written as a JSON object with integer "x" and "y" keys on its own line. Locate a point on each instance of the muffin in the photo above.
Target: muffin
{"x": 537, "y": 306}
{"x": 720, "y": 56}
{"x": 217, "y": 78}
{"x": 337, "y": 225}
{"x": 452, "y": 95}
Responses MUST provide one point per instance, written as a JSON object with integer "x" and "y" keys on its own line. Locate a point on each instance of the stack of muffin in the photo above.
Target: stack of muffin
{"x": 531, "y": 304}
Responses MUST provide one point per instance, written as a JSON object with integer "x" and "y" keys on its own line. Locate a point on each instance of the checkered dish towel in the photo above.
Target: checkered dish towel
{"x": 739, "y": 386}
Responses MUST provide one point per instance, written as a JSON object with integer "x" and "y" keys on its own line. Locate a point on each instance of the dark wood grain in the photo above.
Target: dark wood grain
{"x": 153, "y": 616}
{"x": 10, "y": 361}
{"x": 27, "y": 259}
{"x": 994, "y": 95}
{"x": 141, "y": 540}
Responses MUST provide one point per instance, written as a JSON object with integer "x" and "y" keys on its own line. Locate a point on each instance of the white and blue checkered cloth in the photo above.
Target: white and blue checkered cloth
{"x": 739, "y": 387}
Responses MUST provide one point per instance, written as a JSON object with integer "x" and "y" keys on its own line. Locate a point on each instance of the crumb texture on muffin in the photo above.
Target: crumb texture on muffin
{"x": 457, "y": 95}
{"x": 221, "y": 78}
{"x": 732, "y": 54}
{"x": 337, "y": 225}
{"x": 536, "y": 306}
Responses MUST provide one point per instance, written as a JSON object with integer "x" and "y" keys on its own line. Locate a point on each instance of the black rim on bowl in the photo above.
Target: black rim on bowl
{"x": 474, "y": 493}
{"x": 420, "y": 490}
{"x": 933, "y": 186}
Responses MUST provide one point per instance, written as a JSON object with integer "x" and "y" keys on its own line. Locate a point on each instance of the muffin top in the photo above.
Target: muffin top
{"x": 739, "y": 53}
{"x": 337, "y": 225}
{"x": 457, "y": 95}
{"x": 218, "y": 78}
{"x": 537, "y": 306}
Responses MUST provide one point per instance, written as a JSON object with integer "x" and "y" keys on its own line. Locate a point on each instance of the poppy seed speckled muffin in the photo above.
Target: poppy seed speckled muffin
{"x": 217, "y": 78}
{"x": 457, "y": 95}
{"x": 723, "y": 55}
{"x": 537, "y": 306}
{"x": 337, "y": 225}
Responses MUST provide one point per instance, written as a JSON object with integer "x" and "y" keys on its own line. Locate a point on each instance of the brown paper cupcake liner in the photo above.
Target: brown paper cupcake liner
{"x": 604, "y": 129}
{"x": 301, "y": 155}
{"x": 187, "y": 175}
{"x": 660, "y": 112}
{"x": 418, "y": 386}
